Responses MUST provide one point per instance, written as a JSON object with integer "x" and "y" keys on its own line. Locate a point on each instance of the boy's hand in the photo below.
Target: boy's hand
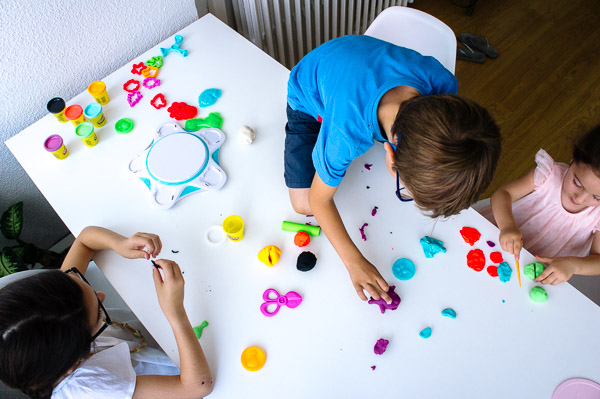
{"x": 169, "y": 288}
{"x": 511, "y": 240}
{"x": 558, "y": 270}
{"x": 140, "y": 245}
{"x": 365, "y": 276}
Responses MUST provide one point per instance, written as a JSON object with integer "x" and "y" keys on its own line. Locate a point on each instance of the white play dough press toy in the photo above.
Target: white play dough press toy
{"x": 178, "y": 163}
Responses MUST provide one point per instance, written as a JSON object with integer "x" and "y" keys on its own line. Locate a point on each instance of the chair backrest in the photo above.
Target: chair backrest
{"x": 418, "y": 31}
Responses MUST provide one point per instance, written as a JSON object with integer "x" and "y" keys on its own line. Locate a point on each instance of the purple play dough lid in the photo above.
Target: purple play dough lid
{"x": 53, "y": 143}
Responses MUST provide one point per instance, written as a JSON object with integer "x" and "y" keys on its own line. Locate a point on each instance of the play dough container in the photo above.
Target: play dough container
{"x": 55, "y": 145}
{"x": 98, "y": 90}
{"x": 56, "y": 106}
{"x": 93, "y": 113}
{"x": 74, "y": 113}
{"x": 85, "y": 132}
{"x": 234, "y": 227}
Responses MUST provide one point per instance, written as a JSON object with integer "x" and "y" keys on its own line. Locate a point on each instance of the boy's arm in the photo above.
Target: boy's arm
{"x": 559, "y": 270}
{"x": 511, "y": 239}
{"x": 363, "y": 274}
{"x": 92, "y": 239}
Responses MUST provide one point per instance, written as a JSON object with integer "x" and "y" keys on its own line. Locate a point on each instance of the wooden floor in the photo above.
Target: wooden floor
{"x": 544, "y": 87}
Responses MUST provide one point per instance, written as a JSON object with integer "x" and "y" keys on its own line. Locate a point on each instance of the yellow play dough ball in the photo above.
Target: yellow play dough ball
{"x": 253, "y": 358}
{"x": 269, "y": 255}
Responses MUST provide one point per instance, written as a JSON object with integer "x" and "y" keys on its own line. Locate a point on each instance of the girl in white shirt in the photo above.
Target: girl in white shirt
{"x": 56, "y": 339}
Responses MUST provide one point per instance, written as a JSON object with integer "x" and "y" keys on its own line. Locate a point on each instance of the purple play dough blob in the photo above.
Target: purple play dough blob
{"x": 491, "y": 243}
{"x": 381, "y": 346}
{"x": 383, "y": 305}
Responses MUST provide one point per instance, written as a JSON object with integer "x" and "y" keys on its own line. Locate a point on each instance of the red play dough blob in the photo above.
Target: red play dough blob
{"x": 470, "y": 235}
{"x": 493, "y": 271}
{"x": 301, "y": 239}
{"x": 496, "y": 257}
{"x": 476, "y": 260}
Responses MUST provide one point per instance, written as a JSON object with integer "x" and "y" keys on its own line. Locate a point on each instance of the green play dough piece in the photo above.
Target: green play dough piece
{"x": 198, "y": 330}
{"x": 214, "y": 119}
{"x": 533, "y": 270}
{"x": 538, "y": 294}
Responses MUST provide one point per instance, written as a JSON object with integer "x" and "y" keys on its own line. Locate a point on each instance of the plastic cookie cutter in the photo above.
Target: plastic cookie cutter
{"x": 291, "y": 300}
{"x": 178, "y": 163}
{"x": 175, "y": 47}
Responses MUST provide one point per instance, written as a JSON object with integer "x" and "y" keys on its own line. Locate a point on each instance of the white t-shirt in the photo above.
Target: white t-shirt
{"x": 111, "y": 371}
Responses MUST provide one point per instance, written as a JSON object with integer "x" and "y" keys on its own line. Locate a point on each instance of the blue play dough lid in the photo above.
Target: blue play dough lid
{"x": 403, "y": 269}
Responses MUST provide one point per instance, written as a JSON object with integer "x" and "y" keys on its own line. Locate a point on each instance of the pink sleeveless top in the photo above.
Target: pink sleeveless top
{"x": 547, "y": 228}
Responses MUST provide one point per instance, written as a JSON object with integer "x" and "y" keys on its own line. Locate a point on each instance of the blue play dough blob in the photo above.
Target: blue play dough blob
{"x": 431, "y": 246}
{"x": 449, "y": 313}
{"x": 504, "y": 272}
{"x": 209, "y": 97}
{"x": 425, "y": 333}
{"x": 403, "y": 269}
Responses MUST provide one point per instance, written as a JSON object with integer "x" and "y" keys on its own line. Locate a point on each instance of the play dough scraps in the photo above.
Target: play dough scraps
{"x": 493, "y": 271}
{"x": 431, "y": 246}
{"x": 476, "y": 259}
{"x": 381, "y": 346}
{"x": 383, "y": 305}
{"x": 449, "y": 313}
{"x": 538, "y": 294}
{"x": 496, "y": 257}
{"x": 425, "y": 333}
{"x": 470, "y": 235}
{"x": 253, "y": 358}
{"x": 403, "y": 269}
{"x": 504, "y": 272}
{"x": 246, "y": 135}
{"x": 533, "y": 270}
{"x": 362, "y": 231}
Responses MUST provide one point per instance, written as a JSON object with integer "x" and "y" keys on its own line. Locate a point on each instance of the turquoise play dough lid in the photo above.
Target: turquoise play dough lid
{"x": 92, "y": 110}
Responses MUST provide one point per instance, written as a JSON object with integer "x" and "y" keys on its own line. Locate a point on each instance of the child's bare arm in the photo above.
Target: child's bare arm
{"x": 195, "y": 380}
{"x": 559, "y": 270}
{"x": 92, "y": 239}
{"x": 511, "y": 239}
{"x": 363, "y": 274}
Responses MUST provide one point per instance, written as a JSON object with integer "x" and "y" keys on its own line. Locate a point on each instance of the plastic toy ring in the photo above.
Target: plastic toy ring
{"x": 215, "y": 235}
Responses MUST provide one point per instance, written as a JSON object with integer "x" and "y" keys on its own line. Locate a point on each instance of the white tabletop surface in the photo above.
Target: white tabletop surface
{"x": 501, "y": 345}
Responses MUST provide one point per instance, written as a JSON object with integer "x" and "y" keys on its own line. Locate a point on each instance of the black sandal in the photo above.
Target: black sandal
{"x": 479, "y": 43}
{"x": 468, "y": 54}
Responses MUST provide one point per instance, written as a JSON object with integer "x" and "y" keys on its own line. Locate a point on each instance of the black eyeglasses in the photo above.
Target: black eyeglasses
{"x": 107, "y": 320}
{"x": 401, "y": 197}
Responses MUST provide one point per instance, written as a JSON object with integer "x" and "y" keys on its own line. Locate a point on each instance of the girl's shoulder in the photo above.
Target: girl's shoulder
{"x": 100, "y": 375}
{"x": 546, "y": 168}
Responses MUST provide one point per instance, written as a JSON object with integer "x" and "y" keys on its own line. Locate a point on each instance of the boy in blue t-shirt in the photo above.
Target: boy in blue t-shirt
{"x": 354, "y": 90}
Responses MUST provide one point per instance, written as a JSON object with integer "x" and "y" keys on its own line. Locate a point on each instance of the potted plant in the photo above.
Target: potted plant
{"x": 23, "y": 255}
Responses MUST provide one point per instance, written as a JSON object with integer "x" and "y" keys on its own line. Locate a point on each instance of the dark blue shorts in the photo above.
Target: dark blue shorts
{"x": 301, "y": 134}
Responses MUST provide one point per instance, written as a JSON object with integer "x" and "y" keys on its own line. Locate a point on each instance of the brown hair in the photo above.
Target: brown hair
{"x": 586, "y": 149}
{"x": 448, "y": 149}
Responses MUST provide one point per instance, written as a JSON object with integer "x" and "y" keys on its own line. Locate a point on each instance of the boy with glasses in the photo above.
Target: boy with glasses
{"x": 355, "y": 90}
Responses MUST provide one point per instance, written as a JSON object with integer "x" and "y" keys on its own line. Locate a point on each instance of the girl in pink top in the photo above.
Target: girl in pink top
{"x": 553, "y": 211}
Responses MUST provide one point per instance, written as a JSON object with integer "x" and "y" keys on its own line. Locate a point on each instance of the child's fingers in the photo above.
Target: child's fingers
{"x": 360, "y": 292}
{"x": 156, "y": 277}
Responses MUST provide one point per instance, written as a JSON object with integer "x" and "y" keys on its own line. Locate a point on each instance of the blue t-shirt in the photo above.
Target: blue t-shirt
{"x": 343, "y": 80}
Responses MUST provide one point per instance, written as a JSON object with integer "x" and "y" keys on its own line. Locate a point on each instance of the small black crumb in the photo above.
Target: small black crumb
{"x": 368, "y": 187}
{"x": 175, "y": 252}
{"x": 390, "y": 232}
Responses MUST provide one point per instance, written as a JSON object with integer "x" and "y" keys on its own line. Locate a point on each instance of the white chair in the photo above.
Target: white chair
{"x": 418, "y": 31}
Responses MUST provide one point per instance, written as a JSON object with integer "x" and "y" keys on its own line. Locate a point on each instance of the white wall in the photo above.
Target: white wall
{"x": 55, "y": 48}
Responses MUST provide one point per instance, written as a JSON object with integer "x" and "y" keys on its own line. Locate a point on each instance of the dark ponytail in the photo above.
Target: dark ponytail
{"x": 43, "y": 331}
{"x": 586, "y": 149}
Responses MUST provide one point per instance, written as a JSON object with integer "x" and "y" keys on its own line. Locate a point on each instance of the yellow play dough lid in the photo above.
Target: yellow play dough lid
{"x": 253, "y": 358}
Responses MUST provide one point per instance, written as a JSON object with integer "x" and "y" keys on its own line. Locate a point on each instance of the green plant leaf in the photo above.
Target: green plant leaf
{"x": 7, "y": 266}
{"x": 11, "y": 222}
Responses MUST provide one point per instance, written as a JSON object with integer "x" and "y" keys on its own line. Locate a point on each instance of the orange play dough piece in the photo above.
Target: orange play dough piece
{"x": 253, "y": 358}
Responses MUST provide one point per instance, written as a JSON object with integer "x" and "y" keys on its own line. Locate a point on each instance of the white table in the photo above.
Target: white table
{"x": 501, "y": 345}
